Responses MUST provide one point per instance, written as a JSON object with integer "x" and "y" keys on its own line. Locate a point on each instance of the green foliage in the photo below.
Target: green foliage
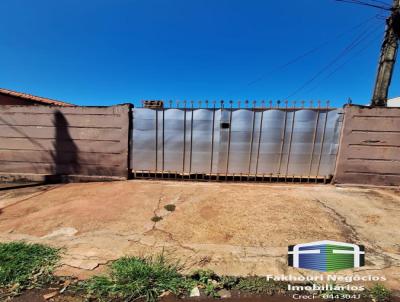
{"x": 333, "y": 291}
{"x": 170, "y": 207}
{"x": 229, "y": 282}
{"x": 156, "y": 218}
{"x": 209, "y": 281}
{"x": 258, "y": 285}
{"x": 379, "y": 293}
{"x": 24, "y": 265}
{"x": 133, "y": 278}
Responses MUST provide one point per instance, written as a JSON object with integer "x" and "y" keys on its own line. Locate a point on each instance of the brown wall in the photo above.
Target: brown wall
{"x": 370, "y": 147}
{"x": 53, "y": 140}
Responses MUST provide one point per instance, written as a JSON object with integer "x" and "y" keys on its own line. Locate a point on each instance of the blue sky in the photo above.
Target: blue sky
{"x": 106, "y": 52}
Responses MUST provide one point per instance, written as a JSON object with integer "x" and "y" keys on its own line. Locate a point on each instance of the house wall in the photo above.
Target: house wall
{"x": 11, "y": 100}
{"x": 63, "y": 141}
{"x": 369, "y": 151}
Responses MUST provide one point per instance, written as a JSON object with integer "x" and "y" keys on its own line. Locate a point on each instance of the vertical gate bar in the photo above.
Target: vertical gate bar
{"x": 156, "y": 111}
{"x": 252, "y": 136}
{"x": 184, "y": 138}
{"x": 191, "y": 139}
{"x": 212, "y": 140}
{"x": 282, "y": 139}
{"x": 163, "y": 139}
{"x": 229, "y": 141}
{"x": 313, "y": 145}
{"x": 323, "y": 140}
{"x": 259, "y": 140}
{"x": 290, "y": 140}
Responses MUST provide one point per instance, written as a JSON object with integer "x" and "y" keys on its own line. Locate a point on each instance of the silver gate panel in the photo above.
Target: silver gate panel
{"x": 282, "y": 142}
{"x": 143, "y": 148}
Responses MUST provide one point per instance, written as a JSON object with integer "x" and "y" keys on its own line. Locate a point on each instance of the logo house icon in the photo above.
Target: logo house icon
{"x": 326, "y": 255}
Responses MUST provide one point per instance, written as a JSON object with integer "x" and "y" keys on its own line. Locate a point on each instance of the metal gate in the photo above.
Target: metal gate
{"x": 259, "y": 143}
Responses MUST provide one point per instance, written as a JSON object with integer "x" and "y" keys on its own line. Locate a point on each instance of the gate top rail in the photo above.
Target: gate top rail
{"x": 246, "y": 104}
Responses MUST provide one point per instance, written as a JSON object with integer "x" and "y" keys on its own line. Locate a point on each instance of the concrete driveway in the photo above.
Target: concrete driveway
{"x": 231, "y": 228}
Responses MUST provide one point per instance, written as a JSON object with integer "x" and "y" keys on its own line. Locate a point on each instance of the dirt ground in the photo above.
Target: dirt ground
{"x": 231, "y": 228}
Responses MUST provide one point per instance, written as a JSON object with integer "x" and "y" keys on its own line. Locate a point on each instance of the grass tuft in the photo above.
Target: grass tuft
{"x": 156, "y": 218}
{"x": 134, "y": 278}
{"x": 259, "y": 285}
{"x": 170, "y": 207}
{"x": 24, "y": 265}
{"x": 380, "y": 293}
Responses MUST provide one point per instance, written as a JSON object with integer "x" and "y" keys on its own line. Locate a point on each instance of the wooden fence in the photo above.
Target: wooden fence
{"x": 369, "y": 151}
{"x": 49, "y": 141}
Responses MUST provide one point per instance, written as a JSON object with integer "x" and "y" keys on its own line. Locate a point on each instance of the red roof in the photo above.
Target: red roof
{"x": 36, "y": 99}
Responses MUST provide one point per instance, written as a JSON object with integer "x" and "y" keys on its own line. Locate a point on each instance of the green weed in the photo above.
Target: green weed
{"x": 379, "y": 293}
{"x": 170, "y": 207}
{"x": 24, "y": 265}
{"x": 156, "y": 218}
{"x": 258, "y": 285}
{"x": 134, "y": 278}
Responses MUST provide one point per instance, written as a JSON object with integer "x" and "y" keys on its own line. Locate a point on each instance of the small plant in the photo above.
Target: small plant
{"x": 209, "y": 281}
{"x": 24, "y": 265}
{"x": 258, "y": 285}
{"x": 156, "y": 218}
{"x": 229, "y": 282}
{"x": 170, "y": 207}
{"x": 334, "y": 291}
{"x": 133, "y": 278}
{"x": 379, "y": 293}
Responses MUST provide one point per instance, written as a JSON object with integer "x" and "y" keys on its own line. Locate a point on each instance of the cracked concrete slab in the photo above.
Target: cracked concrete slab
{"x": 232, "y": 228}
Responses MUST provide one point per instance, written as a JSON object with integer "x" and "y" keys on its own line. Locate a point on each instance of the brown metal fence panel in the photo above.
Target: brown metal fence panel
{"x": 48, "y": 141}
{"x": 370, "y": 147}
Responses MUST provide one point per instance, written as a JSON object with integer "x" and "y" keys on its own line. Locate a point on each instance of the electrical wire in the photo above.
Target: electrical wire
{"x": 365, "y": 4}
{"x": 310, "y": 51}
{"x": 339, "y": 67}
{"x": 361, "y": 37}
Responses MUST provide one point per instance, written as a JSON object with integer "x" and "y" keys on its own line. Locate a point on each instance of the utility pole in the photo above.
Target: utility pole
{"x": 387, "y": 57}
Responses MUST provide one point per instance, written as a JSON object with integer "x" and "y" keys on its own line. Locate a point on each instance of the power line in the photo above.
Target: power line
{"x": 343, "y": 64}
{"x": 382, "y": 2}
{"x": 309, "y": 52}
{"x": 388, "y": 8}
{"x": 343, "y": 53}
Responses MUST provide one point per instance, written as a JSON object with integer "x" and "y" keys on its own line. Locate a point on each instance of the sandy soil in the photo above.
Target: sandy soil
{"x": 235, "y": 229}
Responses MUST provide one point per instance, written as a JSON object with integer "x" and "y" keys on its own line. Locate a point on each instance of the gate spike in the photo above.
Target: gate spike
{"x": 302, "y": 103}
{"x": 327, "y": 103}
{"x": 312, "y": 104}
{"x": 199, "y": 104}
{"x": 177, "y": 103}
{"x": 170, "y": 103}
{"x": 206, "y": 101}
{"x": 246, "y": 103}
{"x": 286, "y": 103}
{"x": 222, "y": 103}
{"x": 278, "y": 103}
{"x": 270, "y": 104}
{"x": 254, "y": 104}
{"x": 319, "y": 103}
